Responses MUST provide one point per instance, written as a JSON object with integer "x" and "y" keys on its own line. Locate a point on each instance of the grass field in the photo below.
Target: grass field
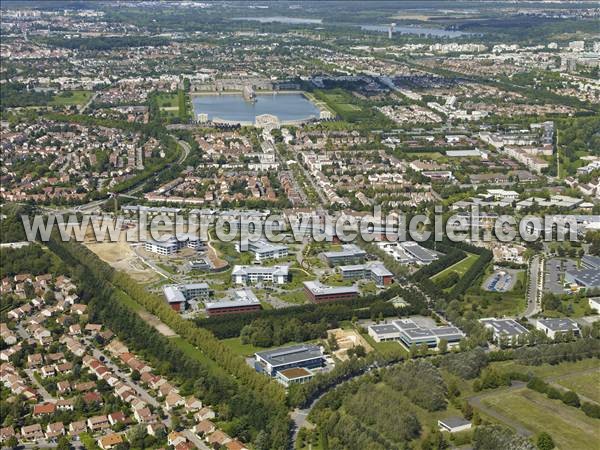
{"x": 68, "y": 98}
{"x": 194, "y": 353}
{"x": 569, "y": 427}
{"x": 460, "y": 267}
{"x": 236, "y": 345}
{"x": 547, "y": 370}
{"x": 586, "y": 384}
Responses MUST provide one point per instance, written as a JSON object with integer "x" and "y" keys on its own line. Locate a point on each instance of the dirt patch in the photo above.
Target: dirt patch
{"x": 214, "y": 258}
{"x": 121, "y": 256}
{"x": 347, "y": 339}
{"x": 155, "y": 322}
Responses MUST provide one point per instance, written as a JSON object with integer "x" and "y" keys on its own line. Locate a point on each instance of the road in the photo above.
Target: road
{"x": 186, "y": 150}
{"x": 163, "y": 273}
{"x": 86, "y": 106}
{"x": 95, "y": 204}
{"x": 193, "y": 437}
{"x": 534, "y": 289}
{"x": 476, "y": 401}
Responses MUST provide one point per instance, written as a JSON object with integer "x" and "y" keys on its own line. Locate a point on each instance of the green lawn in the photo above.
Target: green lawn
{"x": 167, "y": 100}
{"x": 460, "y": 267}
{"x": 236, "y": 345}
{"x": 68, "y": 98}
{"x": 569, "y": 427}
{"x": 194, "y": 353}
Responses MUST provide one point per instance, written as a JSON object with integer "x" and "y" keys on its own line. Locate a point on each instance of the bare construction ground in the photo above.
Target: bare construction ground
{"x": 347, "y": 339}
{"x": 121, "y": 256}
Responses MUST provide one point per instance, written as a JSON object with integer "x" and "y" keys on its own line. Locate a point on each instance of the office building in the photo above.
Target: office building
{"x": 259, "y": 274}
{"x": 409, "y": 333}
{"x": 320, "y": 293}
{"x": 264, "y": 250}
{"x": 242, "y": 301}
{"x": 508, "y": 331}
{"x": 350, "y": 254}
{"x": 374, "y": 271}
{"x": 307, "y": 356}
{"x": 177, "y": 295}
{"x": 555, "y": 327}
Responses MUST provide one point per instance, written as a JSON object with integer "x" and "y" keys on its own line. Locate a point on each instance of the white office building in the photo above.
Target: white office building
{"x": 258, "y": 274}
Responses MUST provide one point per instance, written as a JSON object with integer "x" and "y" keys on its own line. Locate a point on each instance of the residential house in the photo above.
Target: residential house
{"x": 55, "y": 430}
{"x": 110, "y": 441}
{"x": 97, "y": 423}
{"x": 32, "y": 432}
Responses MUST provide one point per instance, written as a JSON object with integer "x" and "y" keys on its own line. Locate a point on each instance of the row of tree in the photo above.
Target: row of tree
{"x": 252, "y": 399}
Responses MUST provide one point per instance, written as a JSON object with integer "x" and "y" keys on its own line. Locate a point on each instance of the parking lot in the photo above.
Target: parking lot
{"x": 501, "y": 280}
{"x": 554, "y": 274}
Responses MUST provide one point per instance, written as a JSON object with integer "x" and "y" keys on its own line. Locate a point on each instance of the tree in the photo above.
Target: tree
{"x": 571, "y": 398}
{"x": 135, "y": 375}
{"x": 545, "y": 441}
{"x": 443, "y": 346}
{"x": 64, "y": 443}
{"x": 12, "y": 442}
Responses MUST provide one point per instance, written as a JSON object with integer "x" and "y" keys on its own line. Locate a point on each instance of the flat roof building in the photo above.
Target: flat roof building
{"x": 296, "y": 375}
{"x": 454, "y": 424}
{"x": 173, "y": 244}
{"x": 350, "y": 254}
{"x": 264, "y": 250}
{"x": 177, "y": 295}
{"x": 409, "y": 252}
{"x": 306, "y": 356}
{"x": 555, "y": 327}
{"x": 504, "y": 330}
{"x": 242, "y": 301}
{"x": 408, "y": 332}
{"x": 254, "y": 274}
{"x": 374, "y": 271}
{"x": 320, "y": 293}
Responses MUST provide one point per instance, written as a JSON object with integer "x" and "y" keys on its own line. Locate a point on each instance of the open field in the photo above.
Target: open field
{"x": 121, "y": 256}
{"x": 586, "y": 384}
{"x": 548, "y": 370}
{"x": 68, "y": 98}
{"x": 569, "y": 427}
{"x": 460, "y": 267}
